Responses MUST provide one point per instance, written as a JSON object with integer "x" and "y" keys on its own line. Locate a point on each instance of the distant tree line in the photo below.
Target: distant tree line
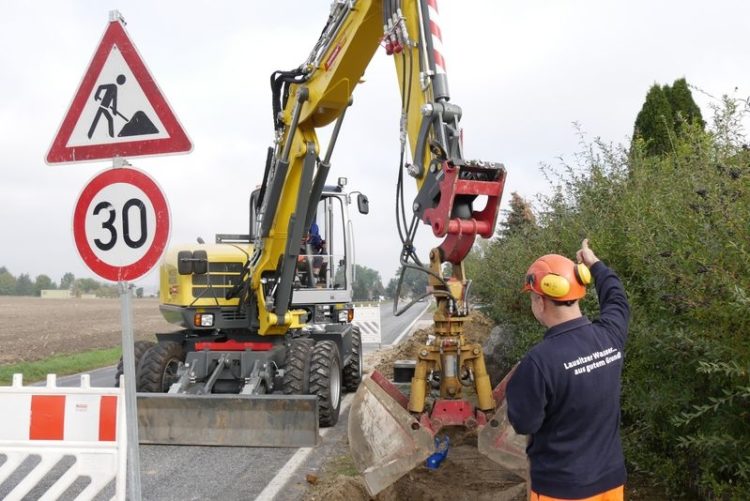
{"x": 367, "y": 286}
{"x": 22, "y": 285}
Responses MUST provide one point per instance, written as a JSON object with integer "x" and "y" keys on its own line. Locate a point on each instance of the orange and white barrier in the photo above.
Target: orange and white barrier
{"x": 52, "y": 423}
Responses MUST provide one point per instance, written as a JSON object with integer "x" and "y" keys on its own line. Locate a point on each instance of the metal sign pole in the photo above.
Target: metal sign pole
{"x": 131, "y": 414}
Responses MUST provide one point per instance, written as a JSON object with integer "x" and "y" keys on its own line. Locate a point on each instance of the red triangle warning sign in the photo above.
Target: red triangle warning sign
{"x": 118, "y": 110}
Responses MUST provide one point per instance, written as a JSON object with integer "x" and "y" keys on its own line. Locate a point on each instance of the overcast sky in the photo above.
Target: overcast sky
{"x": 523, "y": 72}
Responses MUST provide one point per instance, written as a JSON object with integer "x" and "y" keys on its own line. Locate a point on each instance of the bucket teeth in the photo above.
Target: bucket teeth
{"x": 498, "y": 441}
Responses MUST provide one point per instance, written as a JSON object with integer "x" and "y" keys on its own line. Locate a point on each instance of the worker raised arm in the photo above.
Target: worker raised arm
{"x": 565, "y": 392}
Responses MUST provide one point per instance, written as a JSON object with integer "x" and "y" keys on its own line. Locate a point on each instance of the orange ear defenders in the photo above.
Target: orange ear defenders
{"x": 558, "y": 278}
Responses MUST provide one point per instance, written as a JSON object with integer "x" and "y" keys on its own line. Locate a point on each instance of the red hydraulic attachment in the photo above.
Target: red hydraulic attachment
{"x": 444, "y": 412}
{"x": 465, "y": 181}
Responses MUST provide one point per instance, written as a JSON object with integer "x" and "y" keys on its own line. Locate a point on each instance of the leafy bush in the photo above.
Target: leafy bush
{"x": 675, "y": 228}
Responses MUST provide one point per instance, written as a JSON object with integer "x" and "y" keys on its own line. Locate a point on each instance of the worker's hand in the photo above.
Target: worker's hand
{"x": 585, "y": 255}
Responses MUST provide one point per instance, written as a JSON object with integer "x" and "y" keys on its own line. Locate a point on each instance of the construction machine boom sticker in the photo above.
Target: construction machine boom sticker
{"x": 118, "y": 110}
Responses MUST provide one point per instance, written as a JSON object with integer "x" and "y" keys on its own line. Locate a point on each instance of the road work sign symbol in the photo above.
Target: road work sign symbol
{"x": 118, "y": 110}
{"x": 121, "y": 224}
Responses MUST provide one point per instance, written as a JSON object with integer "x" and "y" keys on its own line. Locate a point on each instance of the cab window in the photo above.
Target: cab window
{"x": 322, "y": 258}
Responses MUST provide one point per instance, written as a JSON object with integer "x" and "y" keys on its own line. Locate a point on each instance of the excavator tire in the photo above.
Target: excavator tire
{"x": 353, "y": 369}
{"x": 296, "y": 380}
{"x": 325, "y": 381}
{"x": 139, "y": 348}
{"x": 159, "y": 367}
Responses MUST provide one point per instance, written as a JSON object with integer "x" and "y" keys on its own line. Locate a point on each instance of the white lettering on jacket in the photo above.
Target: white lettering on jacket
{"x": 588, "y": 363}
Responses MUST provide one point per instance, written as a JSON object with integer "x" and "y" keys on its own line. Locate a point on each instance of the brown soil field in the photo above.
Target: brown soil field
{"x": 33, "y": 328}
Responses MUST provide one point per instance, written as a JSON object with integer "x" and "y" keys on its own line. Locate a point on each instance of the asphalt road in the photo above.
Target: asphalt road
{"x": 243, "y": 473}
{"x": 392, "y": 327}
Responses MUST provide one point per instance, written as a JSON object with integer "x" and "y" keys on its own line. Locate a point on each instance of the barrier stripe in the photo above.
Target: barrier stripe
{"x": 47, "y": 417}
{"x": 435, "y": 30}
{"x": 108, "y": 418}
{"x": 15, "y": 409}
{"x": 81, "y": 418}
{"x": 436, "y": 35}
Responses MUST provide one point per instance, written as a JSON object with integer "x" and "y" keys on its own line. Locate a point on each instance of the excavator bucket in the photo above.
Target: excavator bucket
{"x": 498, "y": 441}
{"x": 228, "y": 420}
{"x": 385, "y": 439}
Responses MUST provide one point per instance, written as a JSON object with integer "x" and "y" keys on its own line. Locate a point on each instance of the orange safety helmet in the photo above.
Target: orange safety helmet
{"x": 558, "y": 278}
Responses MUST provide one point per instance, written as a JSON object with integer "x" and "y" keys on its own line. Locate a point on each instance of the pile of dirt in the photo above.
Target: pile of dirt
{"x": 464, "y": 476}
{"x": 338, "y": 488}
{"x": 477, "y": 329}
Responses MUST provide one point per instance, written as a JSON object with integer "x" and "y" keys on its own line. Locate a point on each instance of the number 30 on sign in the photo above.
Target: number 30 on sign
{"x": 121, "y": 224}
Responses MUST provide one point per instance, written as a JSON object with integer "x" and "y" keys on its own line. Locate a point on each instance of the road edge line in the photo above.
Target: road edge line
{"x": 406, "y": 331}
{"x": 290, "y": 468}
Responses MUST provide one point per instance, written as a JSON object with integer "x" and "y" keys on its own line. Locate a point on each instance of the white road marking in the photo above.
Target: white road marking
{"x": 299, "y": 457}
{"x": 408, "y": 329}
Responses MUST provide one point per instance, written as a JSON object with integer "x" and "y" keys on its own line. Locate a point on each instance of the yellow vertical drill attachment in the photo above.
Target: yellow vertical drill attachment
{"x": 457, "y": 362}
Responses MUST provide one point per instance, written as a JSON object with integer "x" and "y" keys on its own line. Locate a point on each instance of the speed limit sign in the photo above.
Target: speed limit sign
{"x": 121, "y": 224}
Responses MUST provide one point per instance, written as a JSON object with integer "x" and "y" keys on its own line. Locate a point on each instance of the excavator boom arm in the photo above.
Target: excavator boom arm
{"x": 319, "y": 92}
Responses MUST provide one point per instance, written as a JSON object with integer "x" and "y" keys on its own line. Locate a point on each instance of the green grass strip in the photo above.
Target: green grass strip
{"x": 62, "y": 365}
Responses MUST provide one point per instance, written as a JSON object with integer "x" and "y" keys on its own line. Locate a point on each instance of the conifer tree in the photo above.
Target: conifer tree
{"x": 520, "y": 216}
{"x": 664, "y": 113}
{"x": 683, "y": 105}
{"x": 654, "y": 122}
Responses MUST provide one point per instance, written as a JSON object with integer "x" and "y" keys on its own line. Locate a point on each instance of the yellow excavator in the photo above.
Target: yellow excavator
{"x": 282, "y": 360}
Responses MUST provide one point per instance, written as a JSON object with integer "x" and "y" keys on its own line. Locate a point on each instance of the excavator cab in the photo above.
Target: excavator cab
{"x": 325, "y": 269}
{"x": 200, "y": 281}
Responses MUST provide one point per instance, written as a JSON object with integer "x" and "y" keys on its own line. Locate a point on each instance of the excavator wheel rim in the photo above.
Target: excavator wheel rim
{"x": 353, "y": 370}
{"x": 170, "y": 374}
{"x": 335, "y": 388}
{"x": 325, "y": 381}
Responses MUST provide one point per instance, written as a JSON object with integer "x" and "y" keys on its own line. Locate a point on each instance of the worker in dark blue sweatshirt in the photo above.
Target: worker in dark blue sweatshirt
{"x": 565, "y": 392}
